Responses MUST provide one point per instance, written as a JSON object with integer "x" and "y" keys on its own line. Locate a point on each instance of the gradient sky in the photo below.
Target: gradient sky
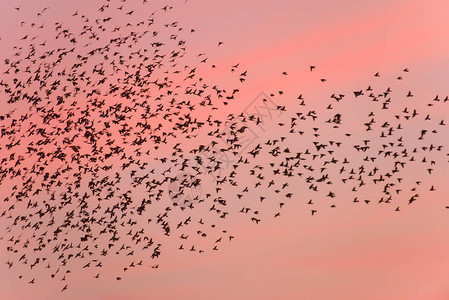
{"x": 352, "y": 252}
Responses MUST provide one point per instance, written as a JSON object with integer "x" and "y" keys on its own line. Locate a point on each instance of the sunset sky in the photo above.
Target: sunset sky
{"x": 353, "y": 251}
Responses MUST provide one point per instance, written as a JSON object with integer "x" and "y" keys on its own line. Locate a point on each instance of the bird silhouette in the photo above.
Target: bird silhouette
{"x": 122, "y": 129}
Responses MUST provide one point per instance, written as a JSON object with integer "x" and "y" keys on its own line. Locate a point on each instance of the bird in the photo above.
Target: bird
{"x": 124, "y": 137}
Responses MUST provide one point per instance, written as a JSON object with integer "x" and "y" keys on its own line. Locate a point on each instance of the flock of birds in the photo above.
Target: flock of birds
{"x": 112, "y": 118}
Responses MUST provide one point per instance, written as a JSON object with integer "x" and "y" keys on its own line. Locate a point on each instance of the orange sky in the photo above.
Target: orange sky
{"x": 355, "y": 251}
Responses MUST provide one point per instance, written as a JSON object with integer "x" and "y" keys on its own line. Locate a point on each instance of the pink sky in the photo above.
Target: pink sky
{"x": 352, "y": 252}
